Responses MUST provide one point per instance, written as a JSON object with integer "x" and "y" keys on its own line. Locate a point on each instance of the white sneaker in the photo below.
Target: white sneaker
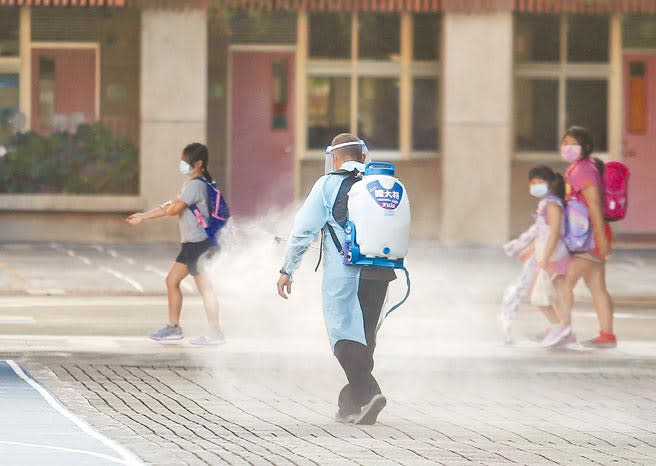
{"x": 569, "y": 342}
{"x": 556, "y": 335}
{"x": 212, "y": 338}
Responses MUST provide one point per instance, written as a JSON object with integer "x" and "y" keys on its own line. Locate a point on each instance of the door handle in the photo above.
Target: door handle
{"x": 289, "y": 150}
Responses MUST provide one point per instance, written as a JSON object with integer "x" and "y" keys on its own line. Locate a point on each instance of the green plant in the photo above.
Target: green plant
{"x": 91, "y": 161}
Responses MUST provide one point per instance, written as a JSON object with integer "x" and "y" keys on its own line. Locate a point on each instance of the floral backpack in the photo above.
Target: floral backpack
{"x": 578, "y": 230}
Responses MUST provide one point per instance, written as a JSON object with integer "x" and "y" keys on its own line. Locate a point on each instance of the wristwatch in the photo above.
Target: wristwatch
{"x": 284, "y": 272}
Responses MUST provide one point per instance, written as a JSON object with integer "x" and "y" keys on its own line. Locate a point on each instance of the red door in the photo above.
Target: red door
{"x": 63, "y": 83}
{"x": 639, "y": 151}
{"x": 262, "y": 118}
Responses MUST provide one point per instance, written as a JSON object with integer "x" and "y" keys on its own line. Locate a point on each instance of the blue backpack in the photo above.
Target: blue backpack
{"x": 218, "y": 209}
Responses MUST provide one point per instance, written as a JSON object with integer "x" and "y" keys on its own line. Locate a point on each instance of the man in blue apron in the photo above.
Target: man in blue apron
{"x": 353, "y": 296}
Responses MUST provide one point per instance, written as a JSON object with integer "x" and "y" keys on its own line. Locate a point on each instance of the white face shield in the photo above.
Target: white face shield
{"x": 329, "y": 167}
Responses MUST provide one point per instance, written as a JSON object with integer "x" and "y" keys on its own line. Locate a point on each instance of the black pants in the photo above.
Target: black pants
{"x": 356, "y": 359}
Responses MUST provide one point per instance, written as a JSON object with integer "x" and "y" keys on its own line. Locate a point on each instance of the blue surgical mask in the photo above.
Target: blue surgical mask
{"x": 185, "y": 168}
{"x": 539, "y": 189}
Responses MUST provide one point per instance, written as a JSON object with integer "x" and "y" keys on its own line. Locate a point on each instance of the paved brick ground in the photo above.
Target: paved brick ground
{"x": 204, "y": 415}
{"x": 268, "y": 397}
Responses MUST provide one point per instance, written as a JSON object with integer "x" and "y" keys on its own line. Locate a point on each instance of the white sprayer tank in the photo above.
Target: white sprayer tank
{"x": 379, "y": 208}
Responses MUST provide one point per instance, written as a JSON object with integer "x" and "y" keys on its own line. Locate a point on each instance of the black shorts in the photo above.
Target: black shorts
{"x": 191, "y": 252}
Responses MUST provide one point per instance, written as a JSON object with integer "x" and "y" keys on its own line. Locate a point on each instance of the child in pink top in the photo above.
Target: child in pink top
{"x": 580, "y": 175}
{"x": 585, "y": 184}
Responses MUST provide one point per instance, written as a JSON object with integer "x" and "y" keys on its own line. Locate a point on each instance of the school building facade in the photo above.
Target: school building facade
{"x": 463, "y": 95}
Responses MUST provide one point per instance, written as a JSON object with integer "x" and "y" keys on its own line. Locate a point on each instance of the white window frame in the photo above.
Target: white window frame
{"x": 562, "y": 71}
{"x": 404, "y": 69}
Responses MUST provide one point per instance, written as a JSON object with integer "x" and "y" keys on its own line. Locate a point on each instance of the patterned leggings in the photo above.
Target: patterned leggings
{"x": 514, "y": 294}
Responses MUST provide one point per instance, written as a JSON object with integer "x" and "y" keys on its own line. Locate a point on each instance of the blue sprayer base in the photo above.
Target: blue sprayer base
{"x": 352, "y": 254}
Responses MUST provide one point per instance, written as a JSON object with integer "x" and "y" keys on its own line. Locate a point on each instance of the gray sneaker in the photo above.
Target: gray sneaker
{"x": 212, "y": 338}
{"x": 169, "y": 332}
{"x": 345, "y": 418}
{"x": 370, "y": 411}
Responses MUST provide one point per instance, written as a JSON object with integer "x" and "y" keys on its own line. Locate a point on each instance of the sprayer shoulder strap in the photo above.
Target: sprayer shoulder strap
{"x": 340, "y": 206}
{"x": 340, "y": 209}
{"x": 333, "y": 236}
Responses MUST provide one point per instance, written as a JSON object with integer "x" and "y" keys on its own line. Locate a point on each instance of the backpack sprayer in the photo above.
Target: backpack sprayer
{"x": 377, "y": 231}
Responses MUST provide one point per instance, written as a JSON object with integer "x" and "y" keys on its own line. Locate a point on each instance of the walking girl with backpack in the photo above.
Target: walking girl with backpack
{"x": 543, "y": 252}
{"x": 588, "y": 237}
{"x": 193, "y": 208}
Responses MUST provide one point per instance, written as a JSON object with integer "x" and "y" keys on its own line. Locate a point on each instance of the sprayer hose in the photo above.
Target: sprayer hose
{"x": 407, "y": 294}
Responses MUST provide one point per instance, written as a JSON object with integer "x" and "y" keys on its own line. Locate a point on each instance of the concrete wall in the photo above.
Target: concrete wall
{"x": 477, "y": 129}
{"x": 173, "y": 99}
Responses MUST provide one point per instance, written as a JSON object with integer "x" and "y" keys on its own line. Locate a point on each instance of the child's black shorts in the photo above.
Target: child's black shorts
{"x": 191, "y": 252}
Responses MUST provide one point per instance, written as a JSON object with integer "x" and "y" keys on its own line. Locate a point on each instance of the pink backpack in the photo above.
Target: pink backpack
{"x": 616, "y": 190}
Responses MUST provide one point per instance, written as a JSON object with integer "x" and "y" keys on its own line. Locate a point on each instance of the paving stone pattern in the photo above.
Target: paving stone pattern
{"x": 215, "y": 416}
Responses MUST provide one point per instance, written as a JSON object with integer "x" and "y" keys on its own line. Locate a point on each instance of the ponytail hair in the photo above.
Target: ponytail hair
{"x": 558, "y": 186}
{"x": 601, "y": 166}
{"x": 195, "y": 152}
{"x": 555, "y": 180}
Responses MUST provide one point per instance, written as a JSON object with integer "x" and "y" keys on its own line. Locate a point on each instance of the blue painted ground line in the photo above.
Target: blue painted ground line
{"x": 43, "y": 431}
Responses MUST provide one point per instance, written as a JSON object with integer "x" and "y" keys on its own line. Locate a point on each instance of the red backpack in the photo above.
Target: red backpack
{"x": 615, "y": 176}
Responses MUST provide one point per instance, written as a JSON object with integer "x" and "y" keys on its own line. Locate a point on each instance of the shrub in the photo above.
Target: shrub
{"x": 91, "y": 161}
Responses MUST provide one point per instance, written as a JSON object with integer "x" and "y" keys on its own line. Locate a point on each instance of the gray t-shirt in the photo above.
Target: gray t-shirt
{"x": 193, "y": 192}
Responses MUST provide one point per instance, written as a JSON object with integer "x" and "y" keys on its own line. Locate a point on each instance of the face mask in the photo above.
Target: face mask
{"x": 539, "y": 190}
{"x": 571, "y": 153}
{"x": 185, "y": 168}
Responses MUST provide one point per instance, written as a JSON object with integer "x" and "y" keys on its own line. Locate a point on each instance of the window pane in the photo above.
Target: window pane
{"x": 329, "y": 103}
{"x": 379, "y": 37}
{"x": 8, "y": 105}
{"x": 330, "y": 35}
{"x": 9, "y": 23}
{"x": 587, "y": 105}
{"x": 639, "y": 32}
{"x": 262, "y": 27}
{"x": 537, "y": 38}
{"x": 536, "y": 117}
{"x": 426, "y": 36}
{"x": 378, "y": 112}
{"x": 425, "y": 114}
{"x": 588, "y": 39}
